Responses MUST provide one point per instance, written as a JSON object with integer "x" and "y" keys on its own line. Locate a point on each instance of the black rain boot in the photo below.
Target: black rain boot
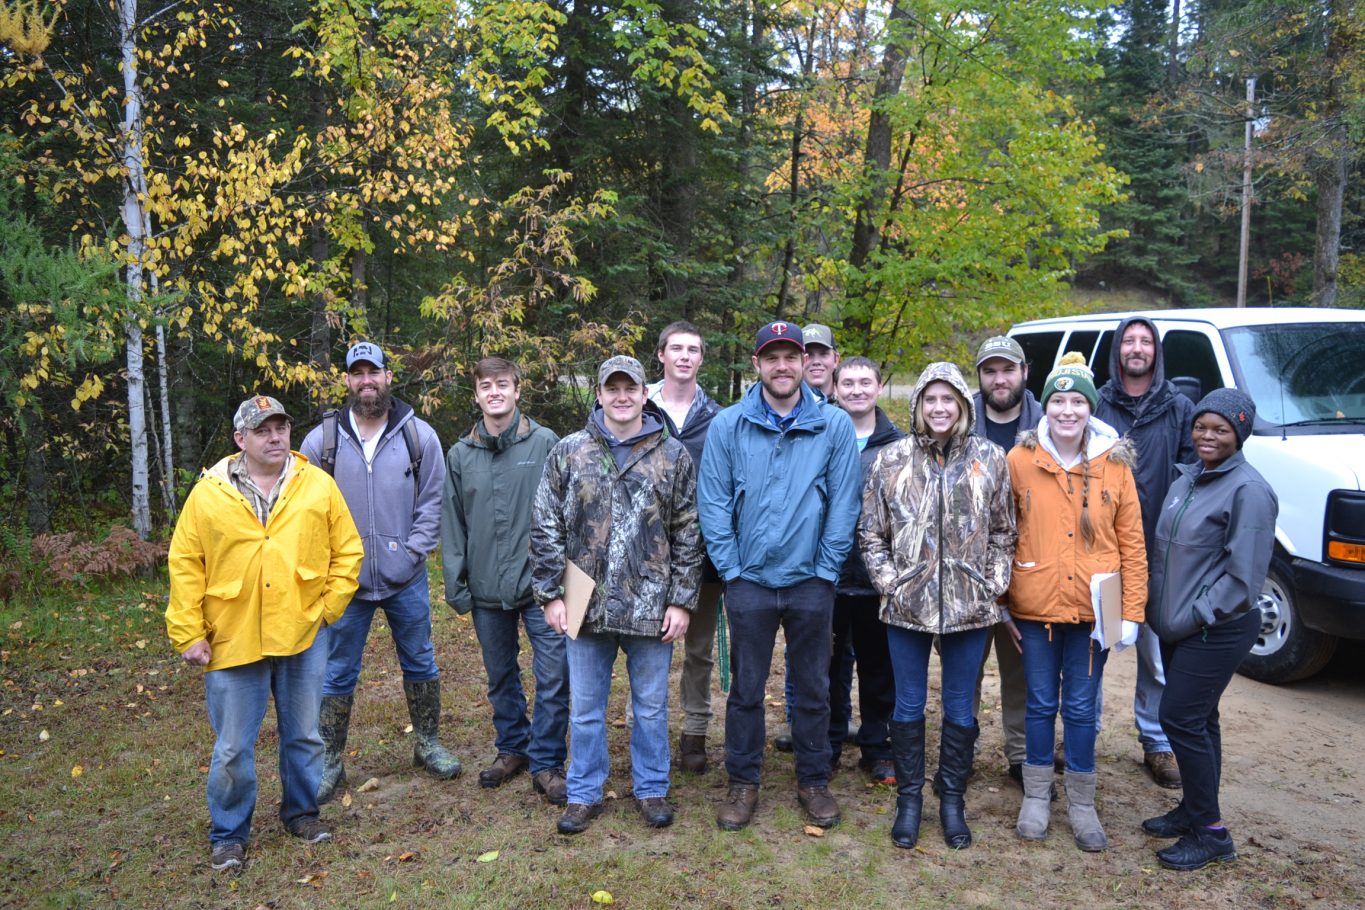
{"x": 334, "y": 720}
{"x": 424, "y": 707}
{"x": 954, "y": 767}
{"x": 907, "y": 749}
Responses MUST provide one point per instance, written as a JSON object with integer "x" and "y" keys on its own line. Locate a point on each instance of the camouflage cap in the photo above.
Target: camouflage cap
{"x": 253, "y": 412}
{"x": 621, "y": 364}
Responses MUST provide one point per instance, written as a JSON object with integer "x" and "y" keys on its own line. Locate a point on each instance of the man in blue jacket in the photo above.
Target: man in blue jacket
{"x": 779, "y": 498}
{"x": 388, "y": 463}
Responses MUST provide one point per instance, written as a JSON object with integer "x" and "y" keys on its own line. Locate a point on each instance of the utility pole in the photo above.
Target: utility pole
{"x": 1246, "y": 196}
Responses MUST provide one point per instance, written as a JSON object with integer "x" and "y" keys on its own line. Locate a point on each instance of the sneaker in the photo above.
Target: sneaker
{"x": 1163, "y": 769}
{"x": 881, "y": 770}
{"x": 1173, "y": 824}
{"x": 656, "y": 811}
{"x": 227, "y": 854}
{"x": 1197, "y": 848}
{"x": 550, "y": 783}
{"x": 738, "y": 809}
{"x": 820, "y": 805}
{"x": 311, "y": 830}
{"x": 577, "y": 817}
{"x": 504, "y": 768}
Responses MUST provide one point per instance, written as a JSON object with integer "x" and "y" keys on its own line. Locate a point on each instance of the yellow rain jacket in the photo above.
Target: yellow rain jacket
{"x": 260, "y": 591}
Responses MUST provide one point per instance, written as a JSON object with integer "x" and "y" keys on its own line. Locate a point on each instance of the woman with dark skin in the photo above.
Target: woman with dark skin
{"x": 1214, "y": 541}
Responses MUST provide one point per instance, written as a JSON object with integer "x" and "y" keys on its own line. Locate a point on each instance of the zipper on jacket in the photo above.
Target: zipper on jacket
{"x": 941, "y": 475}
{"x": 1166, "y": 557}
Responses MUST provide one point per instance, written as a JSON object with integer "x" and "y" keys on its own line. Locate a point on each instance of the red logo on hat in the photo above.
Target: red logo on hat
{"x": 779, "y": 328}
{"x": 1241, "y": 416}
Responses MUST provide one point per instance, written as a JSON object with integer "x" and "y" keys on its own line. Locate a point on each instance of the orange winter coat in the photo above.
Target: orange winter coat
{"x": 1050, "y": 577}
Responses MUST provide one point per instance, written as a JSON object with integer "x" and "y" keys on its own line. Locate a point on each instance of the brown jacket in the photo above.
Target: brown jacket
{"x": 937, "y": 536}
{"x": 1050, "y": 580}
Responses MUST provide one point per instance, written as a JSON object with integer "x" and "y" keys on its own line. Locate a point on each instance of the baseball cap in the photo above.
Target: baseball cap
{"x": 774, "y": 332}
{"x": 815, "y": 333}
{"x": 999, "y": 346}
{"x": 253, "y": 412}
{"x": 364, "y": 350}
{"x": 621, "y": 363}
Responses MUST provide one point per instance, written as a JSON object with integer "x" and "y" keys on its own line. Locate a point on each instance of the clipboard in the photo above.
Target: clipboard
{"x": 1106, "y": 599}
{"x": 578, "y": 588}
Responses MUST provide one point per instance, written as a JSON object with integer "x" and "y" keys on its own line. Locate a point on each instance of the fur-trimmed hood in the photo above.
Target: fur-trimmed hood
{"x": 1103, "y": 438}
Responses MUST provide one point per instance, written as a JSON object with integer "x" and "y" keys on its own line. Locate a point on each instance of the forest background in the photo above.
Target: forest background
{"x": 200, "y": 199}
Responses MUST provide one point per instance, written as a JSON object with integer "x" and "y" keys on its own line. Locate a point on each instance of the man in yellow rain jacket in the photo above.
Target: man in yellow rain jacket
{"x": 265, "y": 555}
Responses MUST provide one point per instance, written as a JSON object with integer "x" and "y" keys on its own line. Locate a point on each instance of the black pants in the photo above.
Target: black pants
{"x": 1198, "y": 669}
{"x": 856, "y": 618}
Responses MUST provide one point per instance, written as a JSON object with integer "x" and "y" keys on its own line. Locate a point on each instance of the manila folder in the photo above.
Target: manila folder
{"x": 1106, "y": 592}
{"x": 578, "y": 587}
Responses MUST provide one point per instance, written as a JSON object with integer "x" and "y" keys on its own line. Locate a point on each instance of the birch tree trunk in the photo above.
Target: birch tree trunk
{"x": 134, "y": 195}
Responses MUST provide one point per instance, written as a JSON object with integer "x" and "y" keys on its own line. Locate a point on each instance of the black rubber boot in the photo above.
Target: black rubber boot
{"x": 907, "y": 750}
{"x": 334, "y": 721}
{"x": 954, "y": 767}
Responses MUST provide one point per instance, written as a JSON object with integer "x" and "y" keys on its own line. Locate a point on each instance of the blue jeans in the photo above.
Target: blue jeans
{"x": 959, "y": 660}
{"x": 409, "y": 615}
{"x": 805, "y": 613}
{"x": 541, "y": 738}
{"x": 1059, "y": 657}
{"x": 647, "y": 664}
{"x": 237, "y": 700}
{"x": 1151, "y": 682}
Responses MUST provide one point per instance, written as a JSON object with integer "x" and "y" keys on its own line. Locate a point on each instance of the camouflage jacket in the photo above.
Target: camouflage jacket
{"x": 633, "y": 529}
{"x": 938, "y": 538}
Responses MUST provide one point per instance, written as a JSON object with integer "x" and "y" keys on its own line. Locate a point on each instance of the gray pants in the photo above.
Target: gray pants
{"x": 1013, "y": 690}
{"x": 699, "y": 659}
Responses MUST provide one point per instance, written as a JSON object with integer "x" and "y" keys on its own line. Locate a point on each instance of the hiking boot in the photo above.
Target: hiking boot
{"x": 782, "y": 742}
{"x": 504, "y": 768}
{"x": 1080, "y": 811}
{"x": 1197, "y": 848}
{"x": 692, "y": 753}
{"x": 310, "y": 829}
{"x": 334, "y": 720}
{"x": 424, "y": 707}
{"x": 1173, "y": 824}
{"x": 656, "y": 811}
{"x": 226, "y": 855}
{"x": 820, "y": 805}
{"x": 1163, "y": 768}
{"x": 738, "y": 809}
{"x": 550, "y": 783}
{"x": 881, "y": 770}
{"x": 577, "y": 817}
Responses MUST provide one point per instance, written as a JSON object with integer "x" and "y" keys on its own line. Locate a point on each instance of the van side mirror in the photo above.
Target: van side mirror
{"x": 1190, "y": 386}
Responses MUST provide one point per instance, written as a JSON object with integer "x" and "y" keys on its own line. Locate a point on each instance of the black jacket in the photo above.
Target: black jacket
{"x": 854, "y": 580}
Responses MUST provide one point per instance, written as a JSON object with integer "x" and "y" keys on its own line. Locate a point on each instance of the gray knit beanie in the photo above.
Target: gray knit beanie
{"x": 1234, "y": 406}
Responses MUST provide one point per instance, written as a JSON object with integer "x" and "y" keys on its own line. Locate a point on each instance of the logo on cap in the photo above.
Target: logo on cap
{"x": 779, "y": 328}
{"x": 1064, "y": 383}
{"x": 263, "y": 403}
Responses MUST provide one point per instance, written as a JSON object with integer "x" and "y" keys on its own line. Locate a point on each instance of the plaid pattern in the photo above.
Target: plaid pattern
{"x": 260, "y": 503}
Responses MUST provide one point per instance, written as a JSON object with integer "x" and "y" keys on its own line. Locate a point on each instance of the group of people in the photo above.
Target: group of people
{"x": 804, "y": 507}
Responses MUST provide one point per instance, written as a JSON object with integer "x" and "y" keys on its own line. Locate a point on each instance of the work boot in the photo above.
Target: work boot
{"x": 655, "y": 811}
{"x": 738, "y": 809}
{"x": 1080, "y": 810}
{"x": 1197, "y": 848}
{"x": 424, "y": 707}
{"x": 1163, "y": 768}
{"x": 333, "y": 723}
{"x": 578, "y": 816}
{"x": 782, "y": 742}
{"x": 1036, "y": 810}
{"x": 821, "y": 807}
{"x": 692, "y": 753}
{"x": 955, "y": 750}
{"x": 550, "y": 783}
{"x": 907, "y": 748}
{"x": 505, "y": 767}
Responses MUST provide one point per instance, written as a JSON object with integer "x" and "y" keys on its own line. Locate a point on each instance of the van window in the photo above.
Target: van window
{"x": 1083, "y": 343}
{"x": 1040, "y": 348}
{"x": 1100, "y": 365}
{"x": 1190, "y": 354}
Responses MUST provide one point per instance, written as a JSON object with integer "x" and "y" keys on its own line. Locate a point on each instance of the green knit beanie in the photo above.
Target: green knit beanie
{"x": 1072, "y": 375}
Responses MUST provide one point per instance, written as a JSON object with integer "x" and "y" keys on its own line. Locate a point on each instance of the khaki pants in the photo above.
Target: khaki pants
{"x": 699, "y": 659}
{"x": 1013, "y": 690}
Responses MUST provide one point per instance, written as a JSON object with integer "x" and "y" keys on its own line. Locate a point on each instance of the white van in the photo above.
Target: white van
{"x": 1305, "y": 369}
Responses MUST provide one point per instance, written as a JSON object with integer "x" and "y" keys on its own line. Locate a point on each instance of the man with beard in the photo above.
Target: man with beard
{"x": 389, "y": 466}
{"x": 1004, "y": 409}
{"x": 1139, "y": 402}
{"x": 779, "y": 500}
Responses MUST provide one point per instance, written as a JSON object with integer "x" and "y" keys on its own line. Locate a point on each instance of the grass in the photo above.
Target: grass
{"x": 104, "y": 745}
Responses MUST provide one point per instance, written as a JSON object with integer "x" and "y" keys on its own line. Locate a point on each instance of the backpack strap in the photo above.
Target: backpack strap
{"x": 329, "y": 442}
{"x": 414, "y": 449}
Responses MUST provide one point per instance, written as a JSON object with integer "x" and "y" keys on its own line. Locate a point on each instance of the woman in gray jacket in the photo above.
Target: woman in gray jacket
{"x": 1214, "y": 540}
{"x": 937, "y": 536}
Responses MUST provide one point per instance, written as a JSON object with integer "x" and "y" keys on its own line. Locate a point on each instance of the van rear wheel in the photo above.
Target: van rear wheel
{"x": 1286, "y": 650}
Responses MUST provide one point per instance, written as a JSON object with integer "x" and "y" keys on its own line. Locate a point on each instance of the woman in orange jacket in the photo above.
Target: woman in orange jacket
{"x": 1078, "y": 516}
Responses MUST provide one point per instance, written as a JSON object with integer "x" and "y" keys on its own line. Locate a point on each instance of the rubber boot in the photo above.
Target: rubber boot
{"x": 955, "y": 751}
{"x": 424, "y": 707}
{"x": 334, "y": 721}
{"x": 1036, "y": 810}
{"x": 1080, "y": 809}
{"x": 907, "y": 749}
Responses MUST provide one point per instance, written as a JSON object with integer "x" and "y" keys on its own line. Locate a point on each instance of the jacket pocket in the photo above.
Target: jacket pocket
{"x": 393, "y": 561}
